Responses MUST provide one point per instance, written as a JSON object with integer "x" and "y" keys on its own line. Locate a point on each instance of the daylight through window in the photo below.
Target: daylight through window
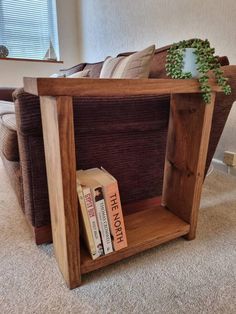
{"x": 28, "y": 28}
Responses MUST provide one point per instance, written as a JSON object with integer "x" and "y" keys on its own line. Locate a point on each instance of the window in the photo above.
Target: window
{"x": 27, "y": 27}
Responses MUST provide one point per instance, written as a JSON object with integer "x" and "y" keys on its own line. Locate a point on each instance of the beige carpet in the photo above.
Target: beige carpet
{"x": 179, "y": 277}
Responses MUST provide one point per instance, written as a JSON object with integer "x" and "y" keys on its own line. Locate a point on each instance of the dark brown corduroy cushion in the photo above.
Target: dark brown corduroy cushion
{"x": 6, "y": 93}
{"x": 222, "y": 108}
{"x": 125, "y": 135}
{"x": 32, "y": 158}
{"x": 95, "y": 69}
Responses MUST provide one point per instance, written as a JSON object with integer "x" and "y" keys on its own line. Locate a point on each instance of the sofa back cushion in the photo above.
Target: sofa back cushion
{"x": 158, "y": 69}
{"x": 72, "y": 70}
{"x": 137, "y": 65}
{"x": 95, "y": 69}
{"x": 80, "y": 74}
{"x": 112, "y": 132}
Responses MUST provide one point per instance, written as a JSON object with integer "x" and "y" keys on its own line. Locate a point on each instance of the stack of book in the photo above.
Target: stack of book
{"x": 103, "y": 225}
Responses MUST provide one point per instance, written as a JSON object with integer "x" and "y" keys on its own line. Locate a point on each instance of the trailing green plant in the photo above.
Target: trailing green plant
{"x": 206, "y": 61}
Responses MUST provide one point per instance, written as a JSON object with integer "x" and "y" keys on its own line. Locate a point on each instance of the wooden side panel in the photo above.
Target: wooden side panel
{"x": 58, "y": 133}
{"x": 187, "y": 145}
{"x": 141, "y": 205}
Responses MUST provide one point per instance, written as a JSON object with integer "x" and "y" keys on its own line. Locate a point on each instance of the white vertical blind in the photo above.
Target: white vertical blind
{"x": 27, "y": 26}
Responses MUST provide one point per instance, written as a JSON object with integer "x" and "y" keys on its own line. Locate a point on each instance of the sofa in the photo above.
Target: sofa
{"x": 125, "y": 135}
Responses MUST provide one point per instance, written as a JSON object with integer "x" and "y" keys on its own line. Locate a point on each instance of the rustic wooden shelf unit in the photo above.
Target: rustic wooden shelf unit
{"x": 151, "y": 223}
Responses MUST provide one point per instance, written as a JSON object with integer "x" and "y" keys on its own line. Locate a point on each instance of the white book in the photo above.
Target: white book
{"x": 88, "y": 198}
{"x": 87, "y": 230}
{"x": 100, "y": 206}
{"x": 102, "y": 219}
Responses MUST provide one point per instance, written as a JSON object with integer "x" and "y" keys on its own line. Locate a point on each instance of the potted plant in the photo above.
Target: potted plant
{"x": 195, "y": 58}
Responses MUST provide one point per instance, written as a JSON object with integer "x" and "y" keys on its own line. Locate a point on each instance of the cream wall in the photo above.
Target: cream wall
{"x": 112, "y": 26}
{"x": 12, "y": 72}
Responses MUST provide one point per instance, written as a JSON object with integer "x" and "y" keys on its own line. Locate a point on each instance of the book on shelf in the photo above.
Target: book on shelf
{"x": 90, "y": 230}
{"x": 88, "y": 198}
{"x": 100, "y": 208}
{"x": 113, "y": 204}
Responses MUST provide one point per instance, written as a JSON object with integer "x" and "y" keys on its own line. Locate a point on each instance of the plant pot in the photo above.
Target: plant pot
{"x": 190, "y": 62}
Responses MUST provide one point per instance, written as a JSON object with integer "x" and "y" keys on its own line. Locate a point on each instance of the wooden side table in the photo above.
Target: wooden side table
{"x": 187, "y": 145}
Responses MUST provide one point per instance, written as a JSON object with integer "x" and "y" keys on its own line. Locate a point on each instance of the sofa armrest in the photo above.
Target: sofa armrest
{"x": 95, "y": 69}
{"x": 229, "y": 71}
{"x": 74, "y": 69}
{"x": 223, "y": 105}
{"x": 6, "y": 93}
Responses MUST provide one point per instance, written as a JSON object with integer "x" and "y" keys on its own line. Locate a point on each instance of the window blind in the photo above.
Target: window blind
{"x": 27, "y": 27}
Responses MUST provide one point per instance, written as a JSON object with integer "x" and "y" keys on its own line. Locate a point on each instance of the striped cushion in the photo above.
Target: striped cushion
{"x": 136, "y": 65}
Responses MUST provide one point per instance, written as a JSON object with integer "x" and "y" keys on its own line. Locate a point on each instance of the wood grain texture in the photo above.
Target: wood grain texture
{"x": 58, "y": 133}
{"x": 111, "y": 87}
{"x": 141, "y": 205}
{"x": 144, "y": 230}
{"x": 44, "y": 234}
{"x": 187, "y": 145}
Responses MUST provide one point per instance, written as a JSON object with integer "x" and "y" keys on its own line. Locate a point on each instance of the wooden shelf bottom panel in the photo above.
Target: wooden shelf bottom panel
{"x": 145, "y": 229}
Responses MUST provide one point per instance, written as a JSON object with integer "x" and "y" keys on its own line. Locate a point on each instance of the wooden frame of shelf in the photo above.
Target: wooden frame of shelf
{"x": 150, "y": 223}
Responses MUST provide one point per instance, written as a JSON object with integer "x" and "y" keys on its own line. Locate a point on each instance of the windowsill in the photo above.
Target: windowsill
{"x": 29, "y": 60}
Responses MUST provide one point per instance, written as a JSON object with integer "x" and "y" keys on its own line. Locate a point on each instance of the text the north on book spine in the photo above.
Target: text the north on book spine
{"x": 116, "y": 219}
{"x": 119, "y": 232}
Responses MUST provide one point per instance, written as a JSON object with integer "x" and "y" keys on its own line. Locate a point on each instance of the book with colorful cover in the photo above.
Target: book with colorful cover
{"x": 113, "y": 204}
{"x": 86, "y": 225}
{"x": 88, "y": 198}
{"x": 100, "y": 206}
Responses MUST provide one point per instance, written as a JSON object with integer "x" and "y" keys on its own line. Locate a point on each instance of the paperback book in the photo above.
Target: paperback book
{"x": 100, "y": 208}
{"x": 113, "y": 204}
